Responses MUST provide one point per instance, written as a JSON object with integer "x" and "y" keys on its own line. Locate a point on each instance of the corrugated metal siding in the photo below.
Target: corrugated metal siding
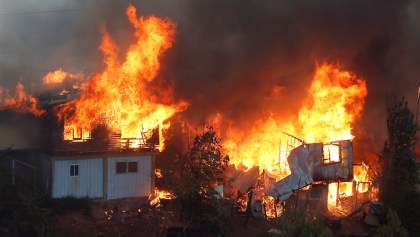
{"x": 89, "y": 182}
{"x": 130, "y": 184}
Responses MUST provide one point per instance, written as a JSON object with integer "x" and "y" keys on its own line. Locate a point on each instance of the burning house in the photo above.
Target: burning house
{"x": 314, "y": 163}
{"x": 102, "y": 165}
{"x": 100, "y": 135}
{"x": 323, "y": 177}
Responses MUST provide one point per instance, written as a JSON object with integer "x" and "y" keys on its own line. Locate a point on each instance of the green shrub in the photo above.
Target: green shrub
{"x": 301, "y": 224}
{"x": 20, "y": 213}
{"x": 393, "y": 227}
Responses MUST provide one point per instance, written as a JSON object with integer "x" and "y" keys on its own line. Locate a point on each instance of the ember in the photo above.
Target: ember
{"x": 158, "y": 195}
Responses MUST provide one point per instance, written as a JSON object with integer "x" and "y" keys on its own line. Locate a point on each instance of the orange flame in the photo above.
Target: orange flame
{"x": 154, "y": 199}
{"x": 119, "y": 96}
{"x": 334, "y": 102}
{"x": 21, "y": 102}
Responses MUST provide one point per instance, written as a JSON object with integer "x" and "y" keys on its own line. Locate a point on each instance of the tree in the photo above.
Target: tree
{"x": 191, "y": 176}
{"x": 302, "y": 224}
{"x": 400, "y": 172}
{"x": 392, "y": 228}
{"x": 20, "y": 212}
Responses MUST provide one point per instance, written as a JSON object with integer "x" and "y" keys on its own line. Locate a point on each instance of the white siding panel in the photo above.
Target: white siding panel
{"x": 89, "y": 182}
{"x": 130, "y": 184}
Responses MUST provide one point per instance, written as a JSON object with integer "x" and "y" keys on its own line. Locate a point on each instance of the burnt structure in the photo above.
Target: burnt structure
{"x": 98, "y": 163}
{"x": 314, "y": 162}
{"x": 99, "y": 139}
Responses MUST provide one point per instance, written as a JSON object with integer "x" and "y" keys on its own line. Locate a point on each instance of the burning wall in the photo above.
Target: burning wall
{"x": 308, "y": 164}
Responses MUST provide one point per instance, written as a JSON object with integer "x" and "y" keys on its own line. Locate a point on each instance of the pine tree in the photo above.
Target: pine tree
{"x": 400, "y": 172}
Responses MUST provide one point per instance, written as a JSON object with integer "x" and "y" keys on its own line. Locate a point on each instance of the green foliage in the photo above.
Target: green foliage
{"x": 393, "y": 227}
{"x": 399, "y": 169}
{"x": 300, "y": 224}
{"x": 19, "y": 208}
{"x": 191, "y": 175}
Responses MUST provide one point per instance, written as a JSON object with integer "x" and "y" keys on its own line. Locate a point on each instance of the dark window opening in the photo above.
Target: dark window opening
{"x": 121, "y": 167}
{"x": 74, "y": 170}
{"x": 132, "y": 167}
{"x": 316, "y": 192}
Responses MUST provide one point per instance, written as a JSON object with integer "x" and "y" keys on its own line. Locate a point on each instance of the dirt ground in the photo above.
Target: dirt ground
{"x": 136, "y": 218}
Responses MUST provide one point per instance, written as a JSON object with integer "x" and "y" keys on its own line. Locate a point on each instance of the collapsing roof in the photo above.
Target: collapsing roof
{"x": 309, "y": 163}
{"x": 312, "y": 163}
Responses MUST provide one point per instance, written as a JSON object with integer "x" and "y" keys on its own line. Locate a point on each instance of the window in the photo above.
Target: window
{"x": 121, "y": 167}
{"x": 331, "y": 153}
{"x": 74, "y": 170}
{"x": 124, "y": 167}
{"x": 317, "y": 190}
{"x": 132, "y": 167}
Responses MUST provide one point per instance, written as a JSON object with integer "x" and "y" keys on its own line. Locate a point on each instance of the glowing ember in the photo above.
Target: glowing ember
{"x": 158, "y": 195}
{"x": 21, "y": 102}
{"x": 120, "y": 97}
{"x": 158, "y": 173}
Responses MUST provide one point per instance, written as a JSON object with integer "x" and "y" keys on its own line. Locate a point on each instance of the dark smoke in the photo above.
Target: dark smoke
{"x": 231, "y": 55}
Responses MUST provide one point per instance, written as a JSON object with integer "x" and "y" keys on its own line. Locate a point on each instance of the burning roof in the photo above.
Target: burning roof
{"x": 120, "y": 97}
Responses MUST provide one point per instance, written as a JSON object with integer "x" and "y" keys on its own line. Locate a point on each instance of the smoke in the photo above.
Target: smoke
{"x": 229, "y": 55}
{"x": 19, "y": 131}
{"x": 246, "y": 60}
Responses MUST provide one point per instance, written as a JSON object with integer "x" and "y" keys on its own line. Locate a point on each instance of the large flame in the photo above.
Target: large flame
{"x": 120, "y": 97}
{"x": 333, "y": 103}
{"x": 335, "y": 100}
{"x": 20, "y": 102}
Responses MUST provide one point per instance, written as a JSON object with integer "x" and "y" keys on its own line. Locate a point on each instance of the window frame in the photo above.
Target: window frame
{"x": 74, "y": 170}
{"x": 128, "y": 166}
{"x": 117, "y": 171}
{"x": 328, "y": 161}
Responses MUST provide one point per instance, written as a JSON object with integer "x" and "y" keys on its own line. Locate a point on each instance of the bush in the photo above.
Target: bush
{"x": 19, "y": 208}
{"x": 393, "y": 227}
{"x": 301, "y": 224}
